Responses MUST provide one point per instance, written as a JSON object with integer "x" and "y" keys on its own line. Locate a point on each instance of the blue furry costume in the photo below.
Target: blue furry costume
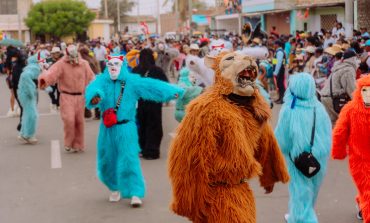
{"x": 191, "y": 92}
{"x": 118, "y": 164}
{"x": 293, "y": 133}
{"x": 27, "y": 94}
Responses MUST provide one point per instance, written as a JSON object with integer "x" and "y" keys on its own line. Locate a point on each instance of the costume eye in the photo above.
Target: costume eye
{"x": 364, "y": 89}
{"x": 116, "y": 63}
{"x": 230, "y": 58}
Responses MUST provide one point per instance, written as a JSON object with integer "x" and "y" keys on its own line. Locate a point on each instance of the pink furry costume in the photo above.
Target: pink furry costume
{"x": 72, "y": 75}
{"x": 353, "y": 129}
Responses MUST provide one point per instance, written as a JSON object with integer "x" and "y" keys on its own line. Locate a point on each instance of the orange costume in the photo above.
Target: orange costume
{"x": 353, "y": 129}
{"x": 219, "y": 146}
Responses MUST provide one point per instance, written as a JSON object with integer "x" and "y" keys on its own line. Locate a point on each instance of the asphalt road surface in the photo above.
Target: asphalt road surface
{"x": 36, "y": 188}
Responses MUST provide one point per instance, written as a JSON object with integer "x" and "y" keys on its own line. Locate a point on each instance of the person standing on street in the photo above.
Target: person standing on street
{"x": 341, "y": 83}
{"x": 54, "y": 93}
{"x": 149, "y": 113}
{"x": 279, "y": 69}
{"x": 100, "y": 52}
{"x": 72, "y": 75}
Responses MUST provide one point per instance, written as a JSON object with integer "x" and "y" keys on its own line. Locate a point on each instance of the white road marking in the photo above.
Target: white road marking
{"x": 56, "y": 161}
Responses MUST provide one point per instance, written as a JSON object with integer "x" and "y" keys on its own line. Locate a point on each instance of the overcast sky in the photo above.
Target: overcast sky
{"x": 146, "y": 7}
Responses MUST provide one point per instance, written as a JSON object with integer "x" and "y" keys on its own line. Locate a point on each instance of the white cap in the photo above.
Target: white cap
{"x": 55, "y": 50}
{"x": 194, "y": 47}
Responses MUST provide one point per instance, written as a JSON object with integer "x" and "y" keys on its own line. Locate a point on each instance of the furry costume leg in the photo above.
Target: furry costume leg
{"x": 360, "y": 170}
{"x": 118, "y": 160}
{"x": 79, "y": 137}
{"x": 67, "y": 113}
{"x": 29, "y": 117}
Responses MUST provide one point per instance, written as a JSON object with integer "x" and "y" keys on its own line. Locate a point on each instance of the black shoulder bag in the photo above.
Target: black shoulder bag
{"x": 338, "y": 101}
{"x": 306, "y": 163}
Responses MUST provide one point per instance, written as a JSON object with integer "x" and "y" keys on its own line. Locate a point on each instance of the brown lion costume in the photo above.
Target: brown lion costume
{"x": 224, "y": 140}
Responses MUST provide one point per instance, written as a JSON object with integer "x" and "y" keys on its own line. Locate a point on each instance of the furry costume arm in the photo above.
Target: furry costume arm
{"x": 271, "y": 159}
{"x": 191, "y": 93}
{"x": 94, "y": 89}
{"x": 52, "y": 75}
{"x": 155, "y": 90}
{"x": 26, "y": 86}
{"x": 341, "y": 134}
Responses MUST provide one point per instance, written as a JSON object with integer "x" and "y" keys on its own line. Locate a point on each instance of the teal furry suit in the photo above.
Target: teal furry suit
{"x": 27, "y": 93}
{"x": 191, "y": 92}
{"x": 118, "y": 163}
{"x": 293, "y": 133}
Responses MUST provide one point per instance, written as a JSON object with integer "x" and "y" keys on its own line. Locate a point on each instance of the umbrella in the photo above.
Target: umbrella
{"x": 11, "y": 42}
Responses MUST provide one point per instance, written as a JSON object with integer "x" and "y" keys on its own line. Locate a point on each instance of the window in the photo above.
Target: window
{"x": 327, "y": 21}
{"x": 8, "y": 7}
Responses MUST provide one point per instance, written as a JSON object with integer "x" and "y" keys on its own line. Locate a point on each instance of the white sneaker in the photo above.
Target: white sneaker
{"x": 53, "y": 108}
{"x": 115, "y": 196}
{"x": 32, "y": 140}
{"x": 17, "y": 111}
{"x": 286, "y": 216}
{"x": 22, "y": 139}
{"x": 66, "y": 148}
{"x": 11, "y": 114}
{"x": 136, "y": 202}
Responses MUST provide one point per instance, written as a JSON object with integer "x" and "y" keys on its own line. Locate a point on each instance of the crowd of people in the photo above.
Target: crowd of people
{"x": 124, "y": 82}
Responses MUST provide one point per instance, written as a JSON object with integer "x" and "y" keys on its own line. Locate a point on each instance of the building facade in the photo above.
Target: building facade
{"x": 12, "y": 15}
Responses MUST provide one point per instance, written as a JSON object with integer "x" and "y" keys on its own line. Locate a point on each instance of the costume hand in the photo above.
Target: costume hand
{"x": 269, "y": 189}
{"x": 95, "y": 100}
{"x": 42, "y": 84}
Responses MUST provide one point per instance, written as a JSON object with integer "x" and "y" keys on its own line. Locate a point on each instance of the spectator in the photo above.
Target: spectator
{"x": 100, "y": 52}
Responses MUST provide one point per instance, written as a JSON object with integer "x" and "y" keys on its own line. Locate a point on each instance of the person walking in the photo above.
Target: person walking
{"x": 72, "y": 75}
{"x": 303, "y": 128}
{"x": 149, "y": 113}
{"x": 100, "y": 52}
{"x": 340, "y": 85}
{"x": 279, "y": 69}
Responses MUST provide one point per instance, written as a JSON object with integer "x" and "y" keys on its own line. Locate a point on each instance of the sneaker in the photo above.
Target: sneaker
{"x": 68, "y": 149}
{"x": 53, "y": 108}
{"x": 32, "y": 140}
{"x": 136, "y": 202}
{"x": 11, "y": 114}
{"x": 286, "y": 216}
{"x": 22, "y": 139}
{"x": 359, "y": 213}
{"x": 115, "y": 196}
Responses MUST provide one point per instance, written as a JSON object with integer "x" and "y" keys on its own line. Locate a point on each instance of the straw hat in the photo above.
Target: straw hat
{"x": 194, "y": 47}
{"x": 310, "y": 49}
{"x": 333, "y": 49}
{"x": 55, "y": 50}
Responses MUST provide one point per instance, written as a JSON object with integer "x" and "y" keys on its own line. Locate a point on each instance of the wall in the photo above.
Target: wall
{"x": 363, "y": 16}
{"x": 280, "y": 20}
{"x": 168, "y": 23}
{"x": 230, "y": 23}
{"x": 134, "y": 28}
{"x": 314, "y": 21}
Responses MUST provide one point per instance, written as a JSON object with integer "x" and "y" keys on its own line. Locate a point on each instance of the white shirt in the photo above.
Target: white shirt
{"x": 100, "y": 53}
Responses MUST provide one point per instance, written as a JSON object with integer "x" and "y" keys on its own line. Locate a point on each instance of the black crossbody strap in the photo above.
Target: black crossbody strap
{"x": 313, "y": 129}
{"x": 120, "y": 96}
{"x": 331, "y": 86}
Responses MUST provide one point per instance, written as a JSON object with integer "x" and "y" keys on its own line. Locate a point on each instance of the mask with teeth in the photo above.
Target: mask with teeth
{"x": 242, "y": 71}
{"x": 114, "y": 66}
{"x": 365, "y": 93}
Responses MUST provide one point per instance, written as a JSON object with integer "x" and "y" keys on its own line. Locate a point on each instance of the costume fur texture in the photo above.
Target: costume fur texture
{"x": 27, "y": 94}
{"x": 293, "y": 133}
{"x": 118, "y": 163}
{"x": 353, "y": 129}
{"x": 73, "y": 79}
{"x": 220, "y": 141}
{"x": 191, "y": 92}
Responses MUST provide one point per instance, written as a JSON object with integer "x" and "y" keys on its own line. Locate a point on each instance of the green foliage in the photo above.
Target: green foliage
{"x": 59, "y": 18}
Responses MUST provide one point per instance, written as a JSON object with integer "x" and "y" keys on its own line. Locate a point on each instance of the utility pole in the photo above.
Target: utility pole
{"x": 105, "y": 9}
{"x": 158, "y": 18}
{"x": 190, "y": 17}
{"x": 118, "y": 18}
{"x": 137, "y": 17}
{"x": 349, "y": 5}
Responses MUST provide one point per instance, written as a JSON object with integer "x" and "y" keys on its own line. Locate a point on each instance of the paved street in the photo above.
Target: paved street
{"x": 32, "y": 191}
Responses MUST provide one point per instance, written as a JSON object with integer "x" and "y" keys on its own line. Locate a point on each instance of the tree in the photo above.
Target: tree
{"x": 59, "y": 18}
{"x": 125, "y": 6}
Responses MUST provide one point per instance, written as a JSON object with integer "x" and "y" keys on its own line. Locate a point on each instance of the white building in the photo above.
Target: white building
{"x": 132, "y": 24}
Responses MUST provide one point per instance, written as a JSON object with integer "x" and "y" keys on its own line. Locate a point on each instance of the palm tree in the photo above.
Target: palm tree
{"x": 183, "y": 7}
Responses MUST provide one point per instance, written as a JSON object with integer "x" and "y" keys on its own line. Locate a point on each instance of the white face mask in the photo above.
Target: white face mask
{"x": 114, "y": 67}
{"x": 365, "y": 93}
{"x": 192, "y": 79}
{"x": 161, "y": 47}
